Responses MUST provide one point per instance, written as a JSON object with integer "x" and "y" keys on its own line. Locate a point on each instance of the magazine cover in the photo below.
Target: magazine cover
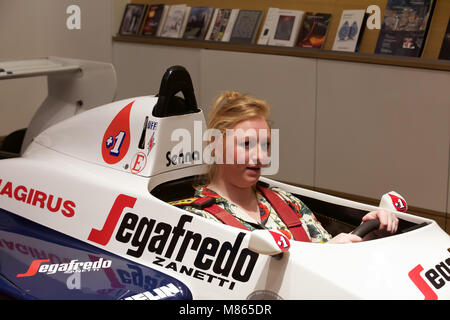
{"x": 445, "y": 49}
{"x": 175, "y": 21}
{"x": 132, "y": 19}
{"x": 314, "y": 30}
{"x": 404, "y": 28}
{"x": 287, "y": 28}
{"x": 246, "y": 26}
{"x": 154, "y": 19}
{"x": 198, "y": 23}
{"x": 350, "y": 30}
{"x": 218, "y": 24}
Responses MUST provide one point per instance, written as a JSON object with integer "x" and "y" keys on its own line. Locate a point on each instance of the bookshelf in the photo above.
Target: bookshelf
{"x": 335, "y": 7}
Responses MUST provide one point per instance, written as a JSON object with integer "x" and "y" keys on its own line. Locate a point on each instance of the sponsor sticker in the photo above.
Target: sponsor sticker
{"x": 116, "y": 139}
{"x": 438, "y": 276}
{"x": 399, "y": 203}
{"x": 37, "y": 198}
{"x": 281, "y": 240}
{"x": 162, "y": 292}
{"x": 138, "y": 163}
{"x": 43, "y": 266}
{"x": 223, "y": 263}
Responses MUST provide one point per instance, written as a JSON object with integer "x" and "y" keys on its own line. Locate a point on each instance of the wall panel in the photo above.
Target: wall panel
{"x": 383, "y": 128}
{"x": 140, "y": 67}
{"x": 287, "y": 83}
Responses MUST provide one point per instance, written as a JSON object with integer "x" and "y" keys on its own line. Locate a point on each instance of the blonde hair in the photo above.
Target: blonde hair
{"x": 229, "y": 109}
{"x": 232, "y": 107}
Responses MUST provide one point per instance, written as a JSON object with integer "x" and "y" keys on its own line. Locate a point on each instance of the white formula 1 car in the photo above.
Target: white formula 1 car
{"x": 84, "y": 214}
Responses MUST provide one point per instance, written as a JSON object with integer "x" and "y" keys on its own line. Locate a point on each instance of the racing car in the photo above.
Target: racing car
{"x": 86, "y": 213}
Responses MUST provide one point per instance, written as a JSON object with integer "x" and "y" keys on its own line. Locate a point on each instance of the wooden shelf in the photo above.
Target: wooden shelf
{"x": 421, "y": 63}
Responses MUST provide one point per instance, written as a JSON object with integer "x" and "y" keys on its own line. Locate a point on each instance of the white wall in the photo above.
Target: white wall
{"x": 37, "y": 28}
{"x": 383, "y": 128}
{"x": 140, "y": 67}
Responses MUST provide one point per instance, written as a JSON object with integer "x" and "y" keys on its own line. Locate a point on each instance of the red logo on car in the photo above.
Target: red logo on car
{"x": 138, "y": 163}
{"x": 116, "y": 139}
{"x": 399, "y": 203}
{"x": 438, "y": 277}
{"x": 281, "y": 240}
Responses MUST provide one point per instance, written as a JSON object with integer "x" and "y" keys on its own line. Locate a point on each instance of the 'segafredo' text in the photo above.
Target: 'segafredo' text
{"x": 218, "y": 262}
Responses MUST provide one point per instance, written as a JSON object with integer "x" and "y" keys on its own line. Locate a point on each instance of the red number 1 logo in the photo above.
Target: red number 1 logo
{"x": 116, "y": 139}
{"x": 115, "y": 143}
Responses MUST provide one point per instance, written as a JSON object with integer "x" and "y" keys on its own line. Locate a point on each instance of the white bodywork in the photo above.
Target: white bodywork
{"x": 97, "y": 207}
{"x": 74, "y": 86}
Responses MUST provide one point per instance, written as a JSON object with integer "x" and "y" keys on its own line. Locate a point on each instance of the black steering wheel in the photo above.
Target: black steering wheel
{"x": 366, "y": 227}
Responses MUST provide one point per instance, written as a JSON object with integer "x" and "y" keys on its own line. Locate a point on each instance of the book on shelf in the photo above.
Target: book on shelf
{"x": 350, "y": 30}
{"x": 198, "y": 22}
{"x": 445, "y": 48}
{"x": 314, "y": 30}
{"x": 221, "y": 19}
{"x": 176, "y": 21}
{"x": 154, "y": 19}
{"x": 268, "y": 26}
{"x": 132, "y": 19}
{"x": 230, "y": 25}
{"x": 404, "y": 27}
{"x": 186, "y": 17}
{"x": 246, "y": 27}
{"x": 217, "y": 21}
{"x": 286, "y": 28}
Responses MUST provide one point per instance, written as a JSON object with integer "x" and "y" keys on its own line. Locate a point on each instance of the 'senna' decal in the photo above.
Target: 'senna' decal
{"x": 116, "y": 140}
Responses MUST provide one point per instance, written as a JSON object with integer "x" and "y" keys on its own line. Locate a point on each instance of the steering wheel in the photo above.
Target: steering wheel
{"x": 366, "y": 227}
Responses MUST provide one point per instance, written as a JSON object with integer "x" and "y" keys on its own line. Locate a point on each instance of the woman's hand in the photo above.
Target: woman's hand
{"x": 388, "y": 221}
{"x": 345, "y": 238}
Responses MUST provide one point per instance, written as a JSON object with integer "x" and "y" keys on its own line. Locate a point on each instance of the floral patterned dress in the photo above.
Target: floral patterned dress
{"x": 269, "y": 218}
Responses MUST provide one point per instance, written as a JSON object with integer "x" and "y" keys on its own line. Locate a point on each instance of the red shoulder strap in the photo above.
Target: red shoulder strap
{"x": 224, "y": 216}
{"x": 287, "y": 215}
{"x": 209, "y": 205}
